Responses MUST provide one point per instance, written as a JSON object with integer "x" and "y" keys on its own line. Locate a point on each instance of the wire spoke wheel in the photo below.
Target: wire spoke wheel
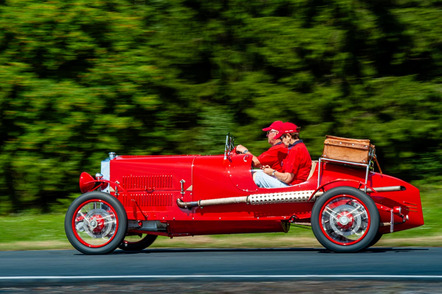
{"x": 95, "y": 223}
{"x": 345, "y": 219}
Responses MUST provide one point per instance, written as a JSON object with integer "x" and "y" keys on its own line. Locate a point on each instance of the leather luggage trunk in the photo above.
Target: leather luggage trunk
{"x": 346, "y": 149}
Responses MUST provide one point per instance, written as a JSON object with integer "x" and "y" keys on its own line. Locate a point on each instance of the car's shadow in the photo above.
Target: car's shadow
{"x": 318, "y": 250}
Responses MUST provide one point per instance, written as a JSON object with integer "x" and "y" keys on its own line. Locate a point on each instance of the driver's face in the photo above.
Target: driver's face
{"x": 271, "y": 136}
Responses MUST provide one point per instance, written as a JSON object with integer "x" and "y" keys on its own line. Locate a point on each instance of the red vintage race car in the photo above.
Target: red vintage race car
{"x": 137, "y": 198}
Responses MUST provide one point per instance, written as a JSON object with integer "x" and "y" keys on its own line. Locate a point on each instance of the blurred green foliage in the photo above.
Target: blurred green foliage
{"x": 81, "y": 78}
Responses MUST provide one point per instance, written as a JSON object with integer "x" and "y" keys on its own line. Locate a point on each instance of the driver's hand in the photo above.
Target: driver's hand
{"x": 267, "y": 170}
{"x": 240, "y": 149}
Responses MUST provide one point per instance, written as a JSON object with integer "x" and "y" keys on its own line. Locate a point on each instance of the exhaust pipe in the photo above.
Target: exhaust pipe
{"x": 255, "y": 199}
{"x": 270, "y": 198}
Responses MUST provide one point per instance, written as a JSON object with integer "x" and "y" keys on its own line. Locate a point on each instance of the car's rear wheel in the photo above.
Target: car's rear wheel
{"x": 345, "y": 219}
{"x": 95, "y": 223}
{"x": 137, "y": 242}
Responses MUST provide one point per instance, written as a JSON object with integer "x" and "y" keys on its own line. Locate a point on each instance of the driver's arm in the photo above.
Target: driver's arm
{"x": 243, "y": 150}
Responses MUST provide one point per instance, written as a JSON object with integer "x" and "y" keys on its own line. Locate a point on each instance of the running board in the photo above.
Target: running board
{"x": 151, "y": 226}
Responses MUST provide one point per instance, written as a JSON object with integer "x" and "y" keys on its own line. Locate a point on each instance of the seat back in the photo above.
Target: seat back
{"x": 312, "y": 170}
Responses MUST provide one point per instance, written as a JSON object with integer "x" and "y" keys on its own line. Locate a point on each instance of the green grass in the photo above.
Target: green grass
{"x": 30, "y": 231}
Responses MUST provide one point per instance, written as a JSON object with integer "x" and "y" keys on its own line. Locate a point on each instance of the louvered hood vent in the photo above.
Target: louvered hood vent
{"x": 149, "y": 182}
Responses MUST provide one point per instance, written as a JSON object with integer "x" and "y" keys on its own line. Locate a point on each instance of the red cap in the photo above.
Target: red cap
{"x": 276, "y": 125}
{"x": 287, "y": 128}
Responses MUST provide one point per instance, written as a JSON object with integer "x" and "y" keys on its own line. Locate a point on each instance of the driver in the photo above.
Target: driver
{"x": 295, "y": 167}
{"x": 275, "y": 154}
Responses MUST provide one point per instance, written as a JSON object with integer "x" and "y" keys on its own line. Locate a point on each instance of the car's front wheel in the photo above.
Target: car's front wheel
{"x": 95, "y": 223}
{"x": 345, "y": 219}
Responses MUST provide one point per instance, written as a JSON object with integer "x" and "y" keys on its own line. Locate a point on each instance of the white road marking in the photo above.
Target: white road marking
{"x": 413, "y": 277}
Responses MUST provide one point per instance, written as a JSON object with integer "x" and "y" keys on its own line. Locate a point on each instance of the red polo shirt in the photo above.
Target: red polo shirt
{"x": 297, "y": 162}
{"x": 274, "y": 156}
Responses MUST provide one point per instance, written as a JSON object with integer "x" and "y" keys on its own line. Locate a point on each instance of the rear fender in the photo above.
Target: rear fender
{"x": 354, "y": 183}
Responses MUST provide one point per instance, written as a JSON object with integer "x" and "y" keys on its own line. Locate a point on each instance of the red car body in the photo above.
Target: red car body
{"x": 349, "y": 207}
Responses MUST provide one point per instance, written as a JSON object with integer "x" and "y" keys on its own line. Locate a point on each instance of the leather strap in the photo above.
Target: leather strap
{"x": 377, "y": 163}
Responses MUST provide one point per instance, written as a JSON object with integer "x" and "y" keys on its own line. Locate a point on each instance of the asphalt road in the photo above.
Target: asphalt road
{"x": 419, "y": 266}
